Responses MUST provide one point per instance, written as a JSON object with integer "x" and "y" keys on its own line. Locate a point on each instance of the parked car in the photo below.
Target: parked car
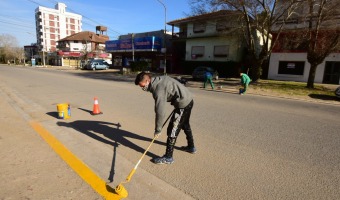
{"x": 97, "y": 64}
{"x": 198, "y": 73}
{"x": 337, "y": 92}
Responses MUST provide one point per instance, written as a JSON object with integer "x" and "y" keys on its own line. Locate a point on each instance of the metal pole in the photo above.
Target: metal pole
{"x": 43, "y": 56}
{"x": 133, "y": 47}
{"x": 164, "y": 35}
{"x": 165, "y": 39}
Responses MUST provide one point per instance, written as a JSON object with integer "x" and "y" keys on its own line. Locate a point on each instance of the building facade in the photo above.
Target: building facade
{"x": 288, "y": 60}
{"x": 30, "y": 51}
{"x": 209, "y": 39}
{"x": 145, "y": 46}
{"x": 81, "y": 46}
{"x": 55, "y": 24}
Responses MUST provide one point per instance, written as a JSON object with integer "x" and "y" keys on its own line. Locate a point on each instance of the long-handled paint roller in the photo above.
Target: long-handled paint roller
{"x": 120, "y": 190}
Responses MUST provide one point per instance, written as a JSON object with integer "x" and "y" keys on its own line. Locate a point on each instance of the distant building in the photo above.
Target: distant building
{"x": 55, "y": 24}
{"x": 288, "y": 61}
{"x": 30, "y": 51}
{"x": 81, "y": 46}
{"x": 212, "y": 39}
{"x": 145, "y": 46}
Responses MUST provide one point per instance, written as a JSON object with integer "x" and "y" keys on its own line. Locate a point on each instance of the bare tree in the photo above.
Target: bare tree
{"x": 322, "y": 33}
{"x": 317, "y": 33}
{"x": 85, "y": 53}
{"x": 8, "y": 43}
{"x": 258, "y": 16}
{"x": 19, "y": 55}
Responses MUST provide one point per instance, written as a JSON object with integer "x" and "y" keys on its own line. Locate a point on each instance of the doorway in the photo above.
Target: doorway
{"x": 332, "y": 73}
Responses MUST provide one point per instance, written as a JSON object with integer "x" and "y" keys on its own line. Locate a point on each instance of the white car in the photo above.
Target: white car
{"x": 97, "y": 64}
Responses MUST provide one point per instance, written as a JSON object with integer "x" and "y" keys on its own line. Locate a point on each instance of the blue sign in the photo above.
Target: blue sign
{"x": 145, "y": 43}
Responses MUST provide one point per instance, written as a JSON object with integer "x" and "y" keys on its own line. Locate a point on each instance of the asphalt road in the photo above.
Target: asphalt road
{"x": 249, "y": 147}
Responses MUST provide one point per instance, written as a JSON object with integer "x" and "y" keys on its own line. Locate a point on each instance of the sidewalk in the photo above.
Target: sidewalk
{"x": 30, "y": 169}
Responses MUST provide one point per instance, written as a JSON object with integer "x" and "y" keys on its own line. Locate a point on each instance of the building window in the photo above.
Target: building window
{"x": 197, "y": 51}
{"x": 221, "y": 51}
{"x": 199, "y": 27}
{"x": 223, "y": 25}
{"x": 291, "y": 67}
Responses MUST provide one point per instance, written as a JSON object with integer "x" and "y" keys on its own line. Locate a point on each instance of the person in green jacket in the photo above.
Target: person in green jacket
{"x": 245, "y": 80}
{"x": 208, "y": 78}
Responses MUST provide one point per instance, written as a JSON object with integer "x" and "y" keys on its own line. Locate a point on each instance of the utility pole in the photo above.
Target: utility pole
{"x": 133, "y": 47}
{"x": 43, "y": 56}
{"x": 164, "y": 35}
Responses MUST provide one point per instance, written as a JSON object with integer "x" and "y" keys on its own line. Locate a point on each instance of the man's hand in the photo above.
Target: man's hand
{"x": 157, "y": 134}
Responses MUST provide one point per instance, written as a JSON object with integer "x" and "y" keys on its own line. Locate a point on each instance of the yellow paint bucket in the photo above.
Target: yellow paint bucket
{"x": 64, "y": 110}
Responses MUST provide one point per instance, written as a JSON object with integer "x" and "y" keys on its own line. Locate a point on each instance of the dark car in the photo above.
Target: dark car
{"x": 198, "y": 73}
{"x": 337, "y": 92}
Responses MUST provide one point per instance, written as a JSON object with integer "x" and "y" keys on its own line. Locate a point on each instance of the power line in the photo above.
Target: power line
{"x": 15, "y": 24}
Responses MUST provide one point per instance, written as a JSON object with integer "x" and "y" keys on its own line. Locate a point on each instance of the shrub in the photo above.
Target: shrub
{"x": 139, "y": 66}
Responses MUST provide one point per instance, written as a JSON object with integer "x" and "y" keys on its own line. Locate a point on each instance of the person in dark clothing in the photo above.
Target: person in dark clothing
{"x": 166, "y": 89}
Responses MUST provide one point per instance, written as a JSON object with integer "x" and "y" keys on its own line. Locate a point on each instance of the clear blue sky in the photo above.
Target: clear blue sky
{"x": 120, "y": 16}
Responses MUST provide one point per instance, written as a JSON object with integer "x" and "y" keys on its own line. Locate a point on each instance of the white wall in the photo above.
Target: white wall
{"x": 209, "y": 39}
{"x": 209, "y": 43}
{"x": 62, "y": 14}
{"x": 277, "y": 57}
{"x": 76, "y": 46}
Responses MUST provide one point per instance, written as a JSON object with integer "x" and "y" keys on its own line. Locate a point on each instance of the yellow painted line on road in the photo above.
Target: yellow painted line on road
{"x": 75, "y": 163}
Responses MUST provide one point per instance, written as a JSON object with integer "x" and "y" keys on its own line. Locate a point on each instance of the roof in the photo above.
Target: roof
{"x": 86, "y": 36}
{"x": 206, "y": 16}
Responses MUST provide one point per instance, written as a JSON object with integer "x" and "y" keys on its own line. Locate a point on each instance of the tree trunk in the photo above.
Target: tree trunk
{"x": 311, "y": 77}
{"x": 256, "y": 70}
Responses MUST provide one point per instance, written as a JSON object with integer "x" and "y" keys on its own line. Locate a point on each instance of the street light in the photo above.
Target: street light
{"x": 164, "y": 36}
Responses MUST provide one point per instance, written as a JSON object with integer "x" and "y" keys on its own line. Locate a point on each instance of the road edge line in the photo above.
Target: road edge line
{"x": 75, "y": 163}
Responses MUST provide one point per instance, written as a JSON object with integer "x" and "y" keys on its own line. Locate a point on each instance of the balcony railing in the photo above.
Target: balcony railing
{"x": 179, "y": 35}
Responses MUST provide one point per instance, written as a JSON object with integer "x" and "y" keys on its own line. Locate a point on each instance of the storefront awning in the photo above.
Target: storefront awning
{"x": 70, "y": 54}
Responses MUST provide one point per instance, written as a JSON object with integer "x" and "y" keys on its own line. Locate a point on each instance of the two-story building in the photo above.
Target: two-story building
{"x": 80, "y": 46}
{"x": 212, "y": 39}
{"x": 288, "y": 62}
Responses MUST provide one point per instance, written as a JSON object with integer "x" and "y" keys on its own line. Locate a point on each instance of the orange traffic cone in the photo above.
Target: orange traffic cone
{"x": 96, "y": 110}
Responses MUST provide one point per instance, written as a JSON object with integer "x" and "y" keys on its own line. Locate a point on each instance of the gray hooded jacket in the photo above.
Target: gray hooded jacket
{"x": 166, "y": 89}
